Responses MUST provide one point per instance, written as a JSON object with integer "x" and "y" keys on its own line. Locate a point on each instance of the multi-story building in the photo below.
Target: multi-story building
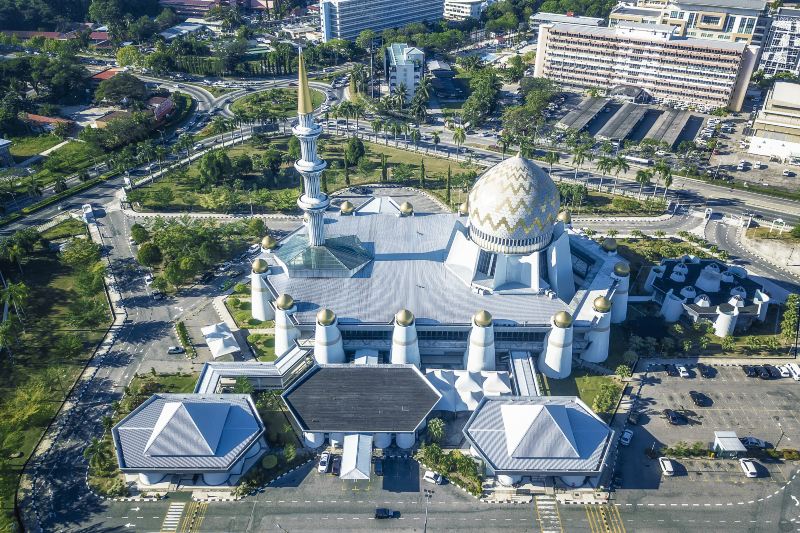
{"x": 781, "y": 50}
{"x": 463, "y": 9}
{"x": 700, "y": 72}
{"x": 727, "y": 20}
{"x": 345, "y": 19}
{"x": 403, "y": 65}
{"x": 776, "y": 129}
{"x": 536, "y": 20}
{"x": 201, "y": 7}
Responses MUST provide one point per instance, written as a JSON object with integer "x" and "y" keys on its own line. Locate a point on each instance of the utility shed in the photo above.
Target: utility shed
{"x": 356, "y": 456}
{"x": 727, "y": 444}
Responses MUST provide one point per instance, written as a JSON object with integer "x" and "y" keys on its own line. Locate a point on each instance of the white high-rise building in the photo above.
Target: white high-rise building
{"x": 403, "y": 65}
{"x": 781, "y": 51}
{"x": 345, "y": 19}
{"x": 464, "y": 9}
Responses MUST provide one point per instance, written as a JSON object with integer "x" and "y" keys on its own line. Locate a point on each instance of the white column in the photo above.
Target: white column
{"x": 285, "y": 330}
{"x": 600, "y": 332}
{"x": 555, "y": 361}
{"x": 559, "y": 267}
{"x": 619, "y": 301}
{"x": 405, "y": 345}
{"x": 328, "y": 347}
{"x": 260, "y": 307}
{"x": 671, "y": 307}
{"x": 726, "y": 322}
{"x": 480, "y": 354}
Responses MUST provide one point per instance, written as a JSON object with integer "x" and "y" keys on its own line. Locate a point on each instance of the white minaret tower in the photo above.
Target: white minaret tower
{"x": 285, "y": 330}
{"x": 259, "y": 292}
{"x": 619, "y": 301}
{"x": 328, "y": 347}
{"x": 313, "y": 201}
{"x": 405, "y": 346}
{"x": 599, "y": 335}
{"x": 480, "y": 354}
{"x": 556, "y": 359}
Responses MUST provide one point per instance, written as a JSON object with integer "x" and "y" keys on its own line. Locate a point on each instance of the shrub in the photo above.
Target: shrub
{"x": 290, "y": 452}
{"x": 606, "y": 398}
{"x": 791, "y": 455}
{"x": 269, "y": 461}
{"x": 241, "y": 288}
{"x": 234, "y": 302}
{"x": 623, "y": 371}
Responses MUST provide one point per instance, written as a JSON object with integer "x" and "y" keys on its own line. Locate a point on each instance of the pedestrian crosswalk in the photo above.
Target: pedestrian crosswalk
{"x": 547, "y": 514}
{"x": 173, "y": 518}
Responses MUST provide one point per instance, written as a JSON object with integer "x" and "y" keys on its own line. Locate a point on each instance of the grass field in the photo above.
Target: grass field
{"x": 65, "y": 161}
{"x": 39, "y": 372}
{"x": 28, "y": 146}
{"x": 264, "y": 345}
{"x": 580, "y": 383}
{"x": 281, "y": 103}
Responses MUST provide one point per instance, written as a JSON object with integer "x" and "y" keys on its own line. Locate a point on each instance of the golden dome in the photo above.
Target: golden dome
{"x": 622, "y": 269}
{"x": 404, "y": 317}
{"x": 463, "y": 209}
{"x": 346, "y": 208}
{"x": 260, "y": 266}
{"x": 406, "y": 209}
{"x": 609, "y": 244}
{"x": 565, "y": 217}
{"x": 269, "y": 242}
{"x": 284, "y": 302}
{"x": 562, "y": 319}
{"x": 326, "y": 317}
{"x": 482, "y": 318}
{"x": 602, "y": 304}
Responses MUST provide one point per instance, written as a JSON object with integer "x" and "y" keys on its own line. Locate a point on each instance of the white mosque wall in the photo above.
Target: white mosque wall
{"x": 480, "y": 354}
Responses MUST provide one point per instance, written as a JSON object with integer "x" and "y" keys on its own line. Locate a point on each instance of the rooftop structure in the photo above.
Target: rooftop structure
{"x": 776, "y": 129}
{"x": 537, "y": 19}
{"x": 462, "y": 390}
{"x": 464, "y": 9}
{"x": 180, "y": 30}
{"x": 190, "y": 434}
{"x": 220, "y": 340}
{"x": 345, "y": 19}
{"x": 781, "y": 50}
{"x": 403, "y": 66}
{"x": 538, "y": 436}
{"x": 700, "y": 72}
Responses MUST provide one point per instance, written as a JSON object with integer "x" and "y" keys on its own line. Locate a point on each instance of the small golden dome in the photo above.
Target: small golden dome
{"x": 346, "y": 208}
{"x": 406, "y": 209}
{"x": 609, "y": 244}
{"x": 268, "y": 242}
{"x": 404, "y": 317}
{"x": 463, "y": 209}
{"x": 482, "y": 318}
{"x": 562, "y": 319}
{"x": 602, "y": 304}
{"x": 565, "y": 217}
{"x": 326, "y": 317}
{"x": 284, "y": 302}
{"x": 260, "y": 266}
{"x": 622, "y": 269}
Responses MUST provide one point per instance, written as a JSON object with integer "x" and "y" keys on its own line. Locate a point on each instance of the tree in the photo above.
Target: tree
{"x": 69, "y": 345}
{"x": 459, "y": 137}
{"x": 149, "y": 255}
{"x": 129, "y": 56}
{"x": 290, "y": 452}
{"x": 122, "y": 88}
{"x": 620, "y": 164}
{"x": 422, "y": 174}
{"x": 140, "y": 233}
{"x": 354, "y": 150}
{"x": 643, "y": 178}
{"x": 551, "y": 158}
{"x": 80, "y": 252}
{"x": 605, "y": 165}
{"x": 415, "y": 137}
{"x": 436, "y": 429}
{"x": 789, "y": 320}
{"x": 623, "y": 371}
{"x": 293, "y": 149}
{"x": 448, "y": 199}
{"x": 269, "y": 461}
{"x": 213, "y": 167}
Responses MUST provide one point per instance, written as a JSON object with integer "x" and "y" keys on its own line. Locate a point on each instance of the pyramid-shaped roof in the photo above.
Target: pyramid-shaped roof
{"x": 187, "y": 428}
{"x": 538, "y": 431}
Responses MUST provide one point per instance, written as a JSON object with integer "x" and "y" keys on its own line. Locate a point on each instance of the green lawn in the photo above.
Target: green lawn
{"x": 239, "y": 308}
{"x": 282, "y": 103}
{"x": 64, "y": 230}
{"x": 215, "y": 91}
{"x": 28, "y": 146}
{"x": 35, "y": 380}
{"x": 580, "y": 383}
{"x": 65, "y": 161}
{"x": 264, "y": 345}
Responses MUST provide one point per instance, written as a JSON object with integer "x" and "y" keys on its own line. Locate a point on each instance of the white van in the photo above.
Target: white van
{"x": 667, "y": 468}
{"x": 748, "y": 467}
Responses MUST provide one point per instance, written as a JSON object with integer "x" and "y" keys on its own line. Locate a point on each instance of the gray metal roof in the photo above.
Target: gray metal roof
{"x": 187, "y": 432}
{"x": 540, "y": 435}
{"x": 356, "y": 456}
{"x": 408, "y": 271}
{"x": 214, "y": 371}
{"x": 361, "y": 398}
{"x": 758, "y": 5}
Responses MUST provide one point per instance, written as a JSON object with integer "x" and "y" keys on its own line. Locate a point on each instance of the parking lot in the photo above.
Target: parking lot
{"x": 765, "y": 409}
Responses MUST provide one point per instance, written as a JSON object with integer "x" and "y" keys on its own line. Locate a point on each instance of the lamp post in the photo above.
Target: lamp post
{"x": 428, "y": 495}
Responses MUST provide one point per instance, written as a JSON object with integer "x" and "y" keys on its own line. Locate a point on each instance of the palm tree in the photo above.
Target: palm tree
{"x": 161, "y": 154}
{"x": 346, "y": 110}
{"x": 424, "y": 89}
{"x": 397, "y": 129}
{"x": 459, "y": 137}
{"x": 186, "y": 142}
{"x": 578, "y": 158}
{"x": 336, "y": 114}
{"x": 418, "y": 109}
{"x": 435, "y": 140}
{"x": 415, "y": 137}
{"x": 551, "y": 158}
{"x": 15, "y": 294}
{"x": 146, "y": 151}
{"x": 505, "y": 142}
{"x": 620, "y": 165}
{"x": 357, "y": 110}
{"x": 219, "y": 126}
{"x": 400, "y": 94}
{"x": 239, "y": 118}
{"x": 643, "y": 178}
{"x": 377, "y": 127}
{"x": 605, "y": 165}
{"x": 665, "y": 173}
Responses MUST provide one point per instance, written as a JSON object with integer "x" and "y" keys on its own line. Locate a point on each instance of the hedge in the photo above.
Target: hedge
{"x": 183, "y": 336}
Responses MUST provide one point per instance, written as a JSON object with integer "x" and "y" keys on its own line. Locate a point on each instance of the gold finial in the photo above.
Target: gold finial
{"x": 482, "y": 318}
{"x": 565, "y": 217}
{"x": 406, "y": 209}
{"x": 304, "y": 103}
{"x": 602, "y": 304}
{"x": 346, "y": 208}
{"x": 622, "y": 269}
{"x": 326, "y": 317}
{"x": 284, "y": 302}
{"x": 269, "y": 243}
{"x": 260, "y": 266}
{"x": 463, "y": 209}
{"x": 609, "y": 244}
{"x": 562, "y": 319}
{"x": 404, "y": 317}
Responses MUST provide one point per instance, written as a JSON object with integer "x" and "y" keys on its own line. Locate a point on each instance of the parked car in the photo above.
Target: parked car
{"x": 667, "y": 468}
{"x": 148, "y": 279}
{"x": 379, "y": 467}
{"x": 671, "y": 369}
{"x": 788, "y": 173}
{"x": 235, "y": 273}
{"x": 675, "y": 418}
{"x": 175, "y": 349}
{"x": 773, "y": 372}
{"x": 749, "y": 371}
{"x": 699, "y": 399}
{"x": 336, "y": 465}
{"x": 683, "y": 371}
{"x": 785, "y": 372}
{"x": 432, "y": 477}
{"x": 158, "y": 295}
{"x": 748, "y": 467}
{"x": 324, "y": 463}
{"x": 705, "y": 370}
{"x": 626, "y": 437}
{"x": 382, "y": 513}
{"x": 763, "y": 373}
{"x": 751, "y": 442}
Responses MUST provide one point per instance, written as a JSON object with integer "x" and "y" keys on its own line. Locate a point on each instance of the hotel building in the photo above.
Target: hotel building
{"x": 345, "y": 19}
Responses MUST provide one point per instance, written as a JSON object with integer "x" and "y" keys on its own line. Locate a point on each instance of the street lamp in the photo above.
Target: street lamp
{"x": 428, "y": 495}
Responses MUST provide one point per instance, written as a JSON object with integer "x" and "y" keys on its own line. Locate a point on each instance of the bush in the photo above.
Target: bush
{"x": 183, "y": 337}
{"x": 791, "y": 455}
{"x": 269, "y": 461}
{"x": 606, "y": 399}
{"x": 235, "y": 302}
{"x": 241, "y": 288}
{"x": 290, "y": 452}
{"x": 623, "y": 371}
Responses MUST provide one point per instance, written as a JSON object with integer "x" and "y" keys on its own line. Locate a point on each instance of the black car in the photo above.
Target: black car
{"x": 336, "y": 465}
{"x": 750, "y": 371}
{"x": 672, "y": 370}
{"x": 382, "y": 513}
{"x": 208, "y": 276}
{"x": 699, "y": 399}
{"x": 773, "y": 372}
{"x": 675, "y": 418}
{"x": 378, "y": 467}
{"x": 763, "y": 372}
{"x": 705, "y": 370}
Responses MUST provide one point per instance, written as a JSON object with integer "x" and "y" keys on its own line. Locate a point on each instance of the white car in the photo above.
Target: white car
{"x": 785, "y": 372}
{"x": 175, "y": 349}
{"x": 322, "y": 466}
{"x": 432, "y": 477}
{"x": 788, "y": 173}
{"x": 626, "y": 437}
{"x": 748, "y": 467}
{"x": 667, "y": 468}
{"x": 683, "y": 371}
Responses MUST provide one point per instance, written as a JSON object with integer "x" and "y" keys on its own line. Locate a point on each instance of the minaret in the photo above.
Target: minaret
{"x": 313, "y": 201}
